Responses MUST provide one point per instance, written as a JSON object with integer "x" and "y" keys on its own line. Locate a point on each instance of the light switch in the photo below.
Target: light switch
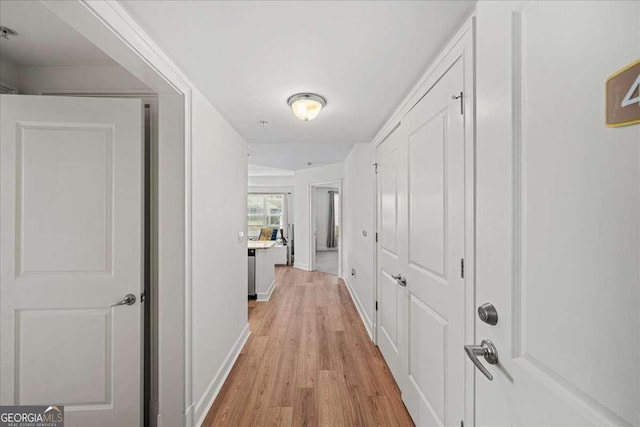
{"x": 240, "y": 236}
{"x": 364, "y": 233}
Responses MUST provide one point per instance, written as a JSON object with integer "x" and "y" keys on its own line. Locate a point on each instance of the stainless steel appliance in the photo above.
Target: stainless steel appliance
{"x": 252, "y": 274}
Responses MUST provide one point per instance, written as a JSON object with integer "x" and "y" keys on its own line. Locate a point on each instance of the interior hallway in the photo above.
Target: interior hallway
{"x": 308, "y": 362}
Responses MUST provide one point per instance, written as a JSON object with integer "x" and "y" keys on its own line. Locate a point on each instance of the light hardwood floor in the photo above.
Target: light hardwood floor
{"x": 308, "y": 362}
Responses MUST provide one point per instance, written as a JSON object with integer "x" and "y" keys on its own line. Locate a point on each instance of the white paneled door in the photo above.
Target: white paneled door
{"x": 434, "y": 237}
{"x": 391, "y": 158}
{"x": 558, "y": 215}
{"x": 71, "y": 248}
{"x": 421, "y": 291}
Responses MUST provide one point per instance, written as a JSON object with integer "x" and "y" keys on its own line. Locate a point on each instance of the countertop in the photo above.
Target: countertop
{"x": 261, "y": 244}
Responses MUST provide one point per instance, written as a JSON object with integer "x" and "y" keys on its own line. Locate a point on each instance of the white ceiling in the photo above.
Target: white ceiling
{"x": 248, "y": 57}
{"x": 43, "y": 39}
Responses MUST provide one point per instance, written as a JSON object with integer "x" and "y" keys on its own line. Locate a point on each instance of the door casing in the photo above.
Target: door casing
{"x": 108, "y": 26}
{"x": 312, "y": 223}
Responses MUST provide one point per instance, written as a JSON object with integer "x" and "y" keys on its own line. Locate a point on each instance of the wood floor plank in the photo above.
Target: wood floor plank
{"x": 287, "y": 366}
{"x": 325, "y": 353}
{"x": 332, "y": 399}
{"x": 229, "y": 405}
{"x": 307, "y": 368}
{"x": 305, "y": 412}
{"x": 279, "y": 417}
{"x": 308, "y": 362}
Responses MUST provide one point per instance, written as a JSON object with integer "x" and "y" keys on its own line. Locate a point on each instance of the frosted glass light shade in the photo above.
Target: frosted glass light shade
{"x": 306, "y": 106}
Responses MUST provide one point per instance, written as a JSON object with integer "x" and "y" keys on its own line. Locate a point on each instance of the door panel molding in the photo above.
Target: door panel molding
{"x": 426, "y": 366}
{"x": 38, "y": 379}
{"x": 24, "y": 129}
{"x": 425, "y": 177}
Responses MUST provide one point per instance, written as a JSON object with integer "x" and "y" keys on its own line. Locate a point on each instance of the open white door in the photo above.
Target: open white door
{"x": 71, "y": 250}
{"x": 558, "y": 215}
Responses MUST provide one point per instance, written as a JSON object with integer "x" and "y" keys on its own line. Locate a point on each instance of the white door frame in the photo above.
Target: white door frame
{"x": 107, "y": 25}
{"x": 460, "y": 46}
{"x": 312, "y": 222}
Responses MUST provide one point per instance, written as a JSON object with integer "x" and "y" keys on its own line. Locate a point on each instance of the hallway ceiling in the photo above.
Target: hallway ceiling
{"x": 247, "y": 58}
{"x": 43, "y": 39}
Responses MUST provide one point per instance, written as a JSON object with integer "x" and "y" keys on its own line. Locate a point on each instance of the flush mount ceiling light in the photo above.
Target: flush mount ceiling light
{"x": 306, "y": 106}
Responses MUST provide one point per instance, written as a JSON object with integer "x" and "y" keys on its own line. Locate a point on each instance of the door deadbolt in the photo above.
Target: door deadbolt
{"x": 488, "y": 314}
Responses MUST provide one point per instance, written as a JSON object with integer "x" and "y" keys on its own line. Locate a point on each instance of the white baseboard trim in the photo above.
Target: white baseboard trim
{"x": 188, "y": 416}
{"x": 301, "y": 266}
{"x": 264, "y": 296}
{"x": 210, "y": 394}
{"x": 363, "y": 314}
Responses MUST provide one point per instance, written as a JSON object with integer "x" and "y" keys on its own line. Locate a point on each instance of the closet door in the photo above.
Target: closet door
{"x": 421, "y": 221}
{"x": 391, "y": 164}
{"x": 434, "y": 237}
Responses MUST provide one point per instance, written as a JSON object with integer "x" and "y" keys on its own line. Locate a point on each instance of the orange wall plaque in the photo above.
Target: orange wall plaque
{"x": 623, "y": 96}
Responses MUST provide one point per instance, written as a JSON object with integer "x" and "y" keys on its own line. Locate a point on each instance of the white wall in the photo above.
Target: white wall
{"x": 219, "y": 258}
{"x": 33, "y": 80}
{"x": 271, "y": 181}
{"x": 322, "y": 216}
{"x": 303, "y": 179}
{"x": 358, "y": 207}
{"x": 8, "y": 72}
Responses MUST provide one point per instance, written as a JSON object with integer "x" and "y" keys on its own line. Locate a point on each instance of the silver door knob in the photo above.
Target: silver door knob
{"x": 402, "y": 281}
{"x": 128, "y": 299}
{"x": 486, "y": 349}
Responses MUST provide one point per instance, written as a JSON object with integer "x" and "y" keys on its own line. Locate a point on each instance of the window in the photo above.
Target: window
{"x": 263, "y": 210}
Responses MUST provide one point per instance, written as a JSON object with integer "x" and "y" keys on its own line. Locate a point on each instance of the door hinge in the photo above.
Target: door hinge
{"x": 461, "y": 98}
{"x": 461, "y": 423}
{"x": 375, "y": 167}
{"x": 142, "y": 297}
{"x": 462, "y": 267}
{"x": 376, "y": 237}
{"x": 376, "y": 305}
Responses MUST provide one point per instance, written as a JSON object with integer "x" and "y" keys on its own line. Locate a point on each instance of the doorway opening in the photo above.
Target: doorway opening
{"x": 326, "y": 227}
